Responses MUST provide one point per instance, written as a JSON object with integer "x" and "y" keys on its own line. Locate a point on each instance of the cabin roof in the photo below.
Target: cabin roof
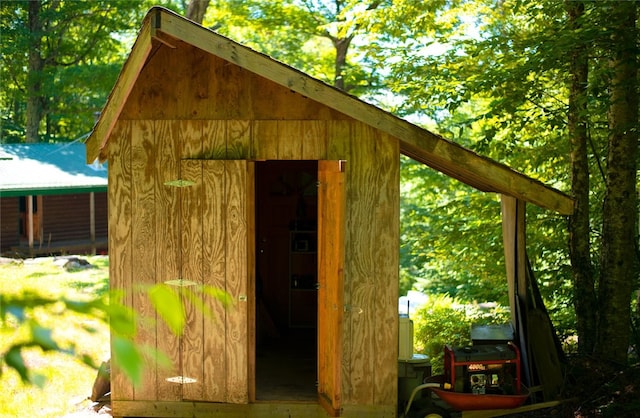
{"x": 420, "y": 144}
{"x": 41, "y": 169}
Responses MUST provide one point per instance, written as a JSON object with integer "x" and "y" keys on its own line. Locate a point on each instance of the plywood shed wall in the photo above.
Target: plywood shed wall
{"x": 187, "y": 109}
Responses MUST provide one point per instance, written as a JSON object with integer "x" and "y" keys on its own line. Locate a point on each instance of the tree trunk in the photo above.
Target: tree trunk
{"x": 579, "y": 232}
{"x": 342, "y": 47}
{"x": 35, "y": 102}
{"x": 618, "y": 257}
{"x": 197, "y": 9}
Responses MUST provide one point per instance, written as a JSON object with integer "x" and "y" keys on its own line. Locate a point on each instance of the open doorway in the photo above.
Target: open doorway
{"x": 286, "y": 278}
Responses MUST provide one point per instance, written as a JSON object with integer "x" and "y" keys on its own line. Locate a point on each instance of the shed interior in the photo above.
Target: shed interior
{"x": 286, "y": 295}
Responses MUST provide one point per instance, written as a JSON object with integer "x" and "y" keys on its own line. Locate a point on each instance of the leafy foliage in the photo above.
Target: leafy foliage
{"x": 445, "y": 320}
{"x": 306, "y": 34}
{"x": 66, "y": 59}
{"x": 451, "y": 237}
{"x": 500, "y": 86}
{"x": 28, "y": 314}
{"x": 22, "y": 312}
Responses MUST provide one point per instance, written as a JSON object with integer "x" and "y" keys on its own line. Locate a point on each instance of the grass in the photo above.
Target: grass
{"x": 68, "y": 381}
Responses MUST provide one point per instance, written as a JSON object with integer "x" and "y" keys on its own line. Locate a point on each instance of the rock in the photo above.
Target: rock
{"x": 74, "y": 263}
{"x": 102, "y": 384}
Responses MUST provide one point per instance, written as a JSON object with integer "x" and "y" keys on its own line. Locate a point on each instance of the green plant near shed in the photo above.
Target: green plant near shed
{"x": 445, "y": 320}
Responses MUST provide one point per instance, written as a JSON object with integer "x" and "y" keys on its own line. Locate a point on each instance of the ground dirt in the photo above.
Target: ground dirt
{"x": 89, "y": 409}
{"x": 596, "y": 390}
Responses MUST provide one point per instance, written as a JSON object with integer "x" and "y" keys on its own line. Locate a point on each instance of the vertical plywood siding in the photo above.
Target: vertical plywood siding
{"x": 386, "y": 215}
{"x": 120, "y": 243}
{"x": 143, "y": 241}
{"x": 166, "y": 167}
{"x": 371, "y": 279}
{"x": 147, "y": 245}
{"x": 214, "y": 255}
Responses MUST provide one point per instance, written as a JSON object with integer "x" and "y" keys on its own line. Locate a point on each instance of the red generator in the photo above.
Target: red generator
{"x": 483, "y": 369}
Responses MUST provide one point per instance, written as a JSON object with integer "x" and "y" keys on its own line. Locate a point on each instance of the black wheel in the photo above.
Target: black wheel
{"x": 431, "y": 412}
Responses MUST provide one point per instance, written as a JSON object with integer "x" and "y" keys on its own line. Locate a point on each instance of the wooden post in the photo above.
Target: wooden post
{"x": 514, "y": 239}
{"x": 38, "y": 220}
{"x": 30, "y": 220}
{"x": 92, "y": 221}
{"x": 513, "y": 236}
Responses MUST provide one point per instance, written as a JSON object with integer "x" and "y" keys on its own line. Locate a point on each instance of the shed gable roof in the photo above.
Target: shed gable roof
{"x": 433, "y": 150}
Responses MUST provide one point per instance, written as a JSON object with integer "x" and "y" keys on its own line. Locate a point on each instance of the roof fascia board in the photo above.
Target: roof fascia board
{"x": 417, "y": 143}
{"x": 140, "y": 51}
{"x": 491, "y": 176}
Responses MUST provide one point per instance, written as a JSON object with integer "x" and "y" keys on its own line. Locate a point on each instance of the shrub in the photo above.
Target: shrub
{"x": 444, "y": 321}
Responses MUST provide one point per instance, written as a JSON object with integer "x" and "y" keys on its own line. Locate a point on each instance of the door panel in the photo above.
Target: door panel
{"x": 215, "y": 256}
{"x": 236, "y": 263}
{"x": 331, "y": 236}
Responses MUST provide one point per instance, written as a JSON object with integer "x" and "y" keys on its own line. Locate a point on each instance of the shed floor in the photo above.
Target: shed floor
{"x": 286, "y": 367}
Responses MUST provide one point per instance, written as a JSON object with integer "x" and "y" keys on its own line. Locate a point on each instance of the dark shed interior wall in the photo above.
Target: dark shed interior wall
{"x": 187, "y": 104}
{"x": 9, "y": 223}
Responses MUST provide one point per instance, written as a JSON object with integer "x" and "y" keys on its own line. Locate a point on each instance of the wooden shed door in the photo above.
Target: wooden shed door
{"x": 331, "y": 235}
{"x": 214, "y": 255}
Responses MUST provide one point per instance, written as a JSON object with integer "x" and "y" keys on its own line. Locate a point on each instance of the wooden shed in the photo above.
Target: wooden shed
{"x": 229, "y": 169}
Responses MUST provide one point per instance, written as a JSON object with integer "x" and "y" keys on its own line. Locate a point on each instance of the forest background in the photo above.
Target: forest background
{"x": 547, "y": 87}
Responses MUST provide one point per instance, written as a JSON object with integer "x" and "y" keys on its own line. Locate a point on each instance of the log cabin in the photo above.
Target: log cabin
{"x": 51, "y": 202}
{"x": 232, "y": 170}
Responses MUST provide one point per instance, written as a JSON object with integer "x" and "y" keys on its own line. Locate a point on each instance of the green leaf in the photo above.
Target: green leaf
{"x": 17, "y": 311}
{"x": 37, "y": 379}
{"x": 169, "y": 306}
{"x": 220, "y": 294}
{"x": 84, "y": 307}
{"x": 42, "y": 337}
{"x": 197, "y": 301}
{"x": 13, "y": 358}
{"x": 89, "y": 361}
{"x": 128, "y": 358}
{"x": 161, "y": 359}
{"x": 122, "y": 320}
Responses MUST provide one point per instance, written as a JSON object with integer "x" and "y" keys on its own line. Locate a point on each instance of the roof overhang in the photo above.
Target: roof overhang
{"x": 426, "y": 147}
